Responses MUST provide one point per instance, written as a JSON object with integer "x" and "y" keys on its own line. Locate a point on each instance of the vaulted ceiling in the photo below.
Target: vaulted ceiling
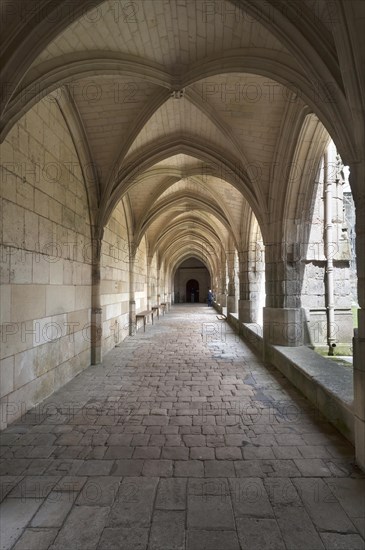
{"x": 189, "y": 111}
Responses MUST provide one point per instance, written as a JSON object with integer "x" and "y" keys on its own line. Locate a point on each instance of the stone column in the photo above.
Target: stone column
{"x": 359, "y": 334}
{"x": 223, "y": 284}
{"x": 244, "y": 303}
{"x": 231, "y": 294}
{"x": 251, "y": 268}
{"x": 247, "y": 299}
{"x": 158, "y": 297}
{"x": 149, "y": 286}
{"x": 96, "y": 309}
{"x": 132, "y": 301}
{"x": 167, "y": 293}
{"x": 231, "y": 297}
{"x": 283, "y": 315}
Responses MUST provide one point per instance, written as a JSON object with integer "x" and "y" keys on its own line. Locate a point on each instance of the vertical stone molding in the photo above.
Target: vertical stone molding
{"x": 359, "y": 337}
{"x": 96, "y": 309}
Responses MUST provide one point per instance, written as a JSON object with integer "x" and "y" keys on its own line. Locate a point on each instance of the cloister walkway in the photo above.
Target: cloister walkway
{"x": 181, "y": 439}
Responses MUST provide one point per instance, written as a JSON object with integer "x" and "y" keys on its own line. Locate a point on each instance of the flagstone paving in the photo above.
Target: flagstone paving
{"x": 181, "y": 440}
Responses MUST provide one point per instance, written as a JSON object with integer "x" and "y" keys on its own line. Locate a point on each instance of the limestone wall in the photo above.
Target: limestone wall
{"x": 45, "y": 261}
{"x": 140, "y": 276}
{"x": 153, "y": 281}
{"x": 114, "y": 285}
{"x": 191, "y": 269}
{"x": 314, "y": 272}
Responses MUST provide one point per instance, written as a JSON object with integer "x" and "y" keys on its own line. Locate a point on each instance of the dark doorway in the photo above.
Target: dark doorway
{"x": 192, "y": 291}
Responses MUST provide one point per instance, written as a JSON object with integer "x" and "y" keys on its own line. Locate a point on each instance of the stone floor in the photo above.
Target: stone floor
{"x": 182, "y": 439}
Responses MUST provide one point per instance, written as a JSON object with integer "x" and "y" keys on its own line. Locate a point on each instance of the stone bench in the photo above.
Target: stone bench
{"x": 156, "y": 309}
{"x": 144, "y": 315}
{"x": 164, "y": 307}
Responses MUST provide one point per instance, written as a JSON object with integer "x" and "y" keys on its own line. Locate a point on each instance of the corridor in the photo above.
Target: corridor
{"x": 181, "y": 440}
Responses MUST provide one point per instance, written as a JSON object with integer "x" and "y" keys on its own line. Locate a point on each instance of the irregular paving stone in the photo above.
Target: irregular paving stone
{"x": 281, "y": 452}
{"x": 34, "y": 487}
{"x": 189, "y": 468}
{"x": 170, "y": 389}
{"x": 147, "y": 452}
{"x": 157, "y": 468}
{"x": 249, "y": 498}
{"x": 175, "y": 453}
{"x": 64, "y": 467}
{"x": 251, "y": 452}
{"x": 7, "y": 484}
{"x": 236, "y": 440}
{"x": 181, "y": 421}
{"x": 134, "y": 503}
{"x": 167, "y": 531}
{"x": 312, "y": 467}
{"x": 14, "y": 467}
{"x": 15, "y": 513}
{"x": 99, "y": 491}
{"x": 157, "y": 440}
{"x": 116, "y": 452}
{"x": 121, "y": 538}
{"x": 36, "y": 539}
{"x": 341, "y": 541}
{"x": 71, "y": 484}
{"x": 210, "y": 512}
{"x": 248, "y": 468}
{"x": 360, "y": 524}
{"x": 140, "y": 440}
{"x": 289, "y": 439}
{"x": 296, "y": 528}
{"x": 259, "y": 534}
{"x": 282, "y": 491}
{"x": 279, "y": 468}
{"x": 155, "y": 420}
{"x": 171, "y": 494}
{"x": 82, "y": 528}
{"x": 202, "y": 453}
{"x": 121, "y": 440}
{"x": 190, "y": 430}
{"x": 212, "y": 540}
{"x": 322, "y": 506}
{"x": 219, "y": 468}
{"x": 54, "y": 509}
{"x": 350, "y": 493}
{"x": 95, "y": 467}
{"x": 173, "y": 441}
{"x": 215, "y": 441}
{"x": 228, "y": 453}
{"x": 127, "y": 467}
{"x": 194, "y": 440}
{"x": 313, "y": 451}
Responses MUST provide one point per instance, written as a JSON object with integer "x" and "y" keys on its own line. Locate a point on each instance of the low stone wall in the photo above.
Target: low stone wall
{"x": 252, "y": 333}
{"x": 328, "y": 386}
{"x": 325, "y": 384}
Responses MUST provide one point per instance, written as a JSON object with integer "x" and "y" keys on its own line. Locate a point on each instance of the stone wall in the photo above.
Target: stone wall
{"x": 350, "y": 218}
{"x": 191, "y": 269}
{"x": 140, "y": 276}
{"x": 313, "y": 292}
{"x": 114, "y": 285}
{"x": 45, "y": 261}
{"x": 154, "y": 290}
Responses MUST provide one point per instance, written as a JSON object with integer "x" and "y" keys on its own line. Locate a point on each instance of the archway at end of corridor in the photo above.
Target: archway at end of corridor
{"x": 192, "y": 291}
{"x": 191, "y": 282}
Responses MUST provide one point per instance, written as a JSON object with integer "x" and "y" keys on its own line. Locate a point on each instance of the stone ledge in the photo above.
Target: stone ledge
{"x": 328, "y": 386}
{"x": 252, "y": 333}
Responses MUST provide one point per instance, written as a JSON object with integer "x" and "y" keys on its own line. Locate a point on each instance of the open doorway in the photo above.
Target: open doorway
{"x": 192, "y": 291}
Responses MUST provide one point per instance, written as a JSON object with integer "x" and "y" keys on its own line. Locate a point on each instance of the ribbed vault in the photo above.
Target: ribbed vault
{"x": 183, "y": 112}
